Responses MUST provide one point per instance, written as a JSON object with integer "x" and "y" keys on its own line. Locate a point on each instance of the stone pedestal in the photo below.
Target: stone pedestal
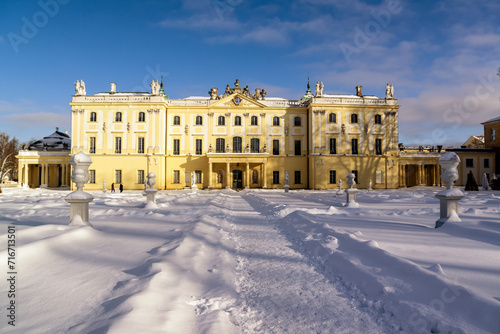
{"x": 194, "y": 188}
{"x": 79, "y": 207}
{"x": 287, "y": 188}
{"x": 150, "y": 194}
{"x": 448, "y": 206}
{"x": 351, "y": 198}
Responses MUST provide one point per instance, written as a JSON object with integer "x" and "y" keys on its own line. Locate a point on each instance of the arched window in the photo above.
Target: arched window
{"x": 253, "y": 120}
{"x": 93, "y": 117}
{"x": 378, "y": 119}
{"x": 332, "y": 118}
{"x": 354, "y": 118}
{"x": 237, "y": 120}
{"x": 118, "y": 117}
{"x": 236, "y": 144}
{"x": 220, "y": 145}
{"x": 142, "y": 117}
{"x": 221, "y": 120}
{"x": 276, "y": 121}
{"x": 177, "y": 120}
{"x": 297, "y": 121}
{"x": 199, "y": 120}
{"x": 254, "y": 145}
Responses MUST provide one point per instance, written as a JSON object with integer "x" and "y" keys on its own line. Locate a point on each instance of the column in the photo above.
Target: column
{"x": 210, "y": 175}
{"x": 47, "y": 174}
{"x": 247, "y": 178}
{"x": 264, "y": 176}
{"x": 227, "y": 175}
{"x": 419, "y": 174}
{"x": 436, "y": 181}
{"x": 26, "y": 175}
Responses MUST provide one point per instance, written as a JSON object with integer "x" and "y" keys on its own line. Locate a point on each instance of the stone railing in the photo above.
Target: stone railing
{"x": 118, "y": 98}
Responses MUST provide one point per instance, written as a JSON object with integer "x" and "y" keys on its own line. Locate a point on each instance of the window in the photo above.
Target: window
{"x": 92, "y": 175}
{"x": 140, "y": 145}
{"x": 379, "y": 177}
{"x": 118, "y": 176}
{"x": 333, "y": 177}
{"x": 220, "y": 145}
{"x": 176, "y": 146}
{"x": 237, "y": 145}
{"x": 276, "y": 121}
{"x": 199, "y": 120}
{"x": 298, "y": 148}
{"x": 118, "y": 117}
{"x": 221, "y": 120}
{"x": 469, "y": 163}
{"x": 378, "y": 119}
{"x": 92, "y": 145}
{"x": 198, "y": 146}
{"x": 297, "y": 177}
{"x": 332, "y": 118}
{"x": 142, "y": 117}
{"x": 118, "y": 144}
{"x": 253, "y": 120}
{"x": 486, "y": 163}
{"x": 254, "y": 145}
{"x": 355, "y": 172}
{"x": 177, "y": 176}
{"x": 354, "y": 118}
{"x": 378, "y": 146}
{"x": 177, "y": 120}
{"x": 297, "y": 121}
{"x": 140, "y": 176}
{"x": 237, "y": 120}
{"x": 197, "y": 176}
{"x": 333, "y": 146}
{"x": 276, "y": 147}
{"x": 354, "y": 146}
{"x": 276, "y": 177}
{"x": 493, "y": 135}
{"x": 93, "y": 117}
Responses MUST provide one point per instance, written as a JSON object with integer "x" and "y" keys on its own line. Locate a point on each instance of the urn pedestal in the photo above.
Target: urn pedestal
{"x": 150, "y": 194}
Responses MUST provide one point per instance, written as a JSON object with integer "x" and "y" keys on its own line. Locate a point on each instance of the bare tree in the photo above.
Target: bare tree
{"x": 9, "y": 148}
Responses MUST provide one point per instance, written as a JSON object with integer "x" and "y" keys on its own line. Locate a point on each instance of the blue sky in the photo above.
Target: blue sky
{"x": 441, "y": 56}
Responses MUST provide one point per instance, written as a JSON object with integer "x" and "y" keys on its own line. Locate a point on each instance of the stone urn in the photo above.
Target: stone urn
{"x": 448, "y": 198}
{"x": 79, "y": 200}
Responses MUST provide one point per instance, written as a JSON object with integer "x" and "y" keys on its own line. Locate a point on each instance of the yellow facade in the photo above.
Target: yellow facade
{"x": 237, "y": 140}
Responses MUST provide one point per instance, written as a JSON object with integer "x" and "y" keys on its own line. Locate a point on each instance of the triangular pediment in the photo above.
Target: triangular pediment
{"x": 237, "y": 100}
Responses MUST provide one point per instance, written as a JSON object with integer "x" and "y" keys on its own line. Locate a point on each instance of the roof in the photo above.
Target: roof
{"x": 56, "y": 141}
{"x": 492, "y": 120}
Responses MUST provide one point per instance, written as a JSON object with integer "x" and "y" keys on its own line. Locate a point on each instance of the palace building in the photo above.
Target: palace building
{"x": 240, "y": 139}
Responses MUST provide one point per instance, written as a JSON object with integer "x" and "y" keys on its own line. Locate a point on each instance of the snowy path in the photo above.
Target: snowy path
{"x": 282, "y": 291}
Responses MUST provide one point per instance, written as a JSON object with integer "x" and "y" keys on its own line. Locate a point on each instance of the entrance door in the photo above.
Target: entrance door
{"x": 237, "y": 179}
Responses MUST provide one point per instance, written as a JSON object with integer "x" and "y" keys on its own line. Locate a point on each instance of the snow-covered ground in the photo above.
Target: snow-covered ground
{"x": 252, "y": 262}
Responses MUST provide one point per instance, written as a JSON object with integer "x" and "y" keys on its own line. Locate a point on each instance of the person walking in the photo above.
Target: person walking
{"x": 112, "y": 187}
{"x": 121, "y": 187}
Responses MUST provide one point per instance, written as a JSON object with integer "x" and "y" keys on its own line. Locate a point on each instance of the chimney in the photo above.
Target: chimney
{"x": 113, "y": 88}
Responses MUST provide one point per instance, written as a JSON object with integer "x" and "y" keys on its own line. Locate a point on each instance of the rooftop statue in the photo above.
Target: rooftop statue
{"x": 80, "y": 88}
{"x": 389, "y": 91}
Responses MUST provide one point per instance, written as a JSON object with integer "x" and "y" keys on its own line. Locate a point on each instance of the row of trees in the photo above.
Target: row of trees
{"x": 9, "y": 148}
